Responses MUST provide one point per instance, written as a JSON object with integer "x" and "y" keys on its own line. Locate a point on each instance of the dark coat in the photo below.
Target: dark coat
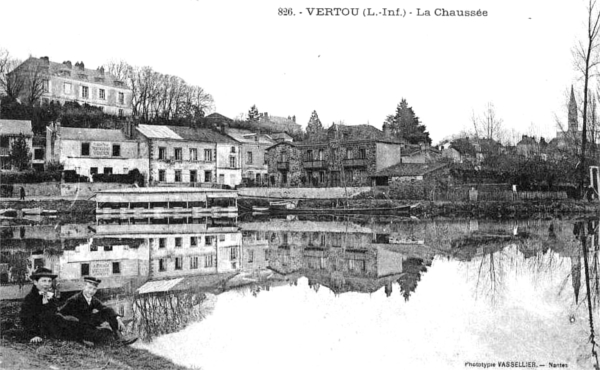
{"x": 77, "y": 306}
{"x": 35, "y": 315}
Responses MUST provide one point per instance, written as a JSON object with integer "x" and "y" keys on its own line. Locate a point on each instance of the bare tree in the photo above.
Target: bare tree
{"x": 585, "y": 57}
{"x": 487, "y": 125}
{"x": 10, "y": 83}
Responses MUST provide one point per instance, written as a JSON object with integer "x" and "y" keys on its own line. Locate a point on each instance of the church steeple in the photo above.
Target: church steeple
{"x": 573, "y": 126}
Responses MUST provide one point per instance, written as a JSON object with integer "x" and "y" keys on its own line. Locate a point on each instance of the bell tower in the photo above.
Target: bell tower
{"x": 573, "y": 125}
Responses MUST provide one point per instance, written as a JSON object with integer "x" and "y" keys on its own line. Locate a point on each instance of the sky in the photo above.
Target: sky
{"x": 351, "y": 69}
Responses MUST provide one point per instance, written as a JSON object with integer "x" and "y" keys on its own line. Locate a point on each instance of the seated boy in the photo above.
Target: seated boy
{"x": 39, "y": 310}
{"x": 91, "y": 313}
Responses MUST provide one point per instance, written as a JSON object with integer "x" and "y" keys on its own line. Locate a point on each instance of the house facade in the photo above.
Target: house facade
{"x": 190, "y": 156}
{"x": 90, "y": 151}
{"x": 253, "y": 161}
{"x": 346, "y": 156}
{"x": 65, "y": 82}
{"x": 10, "y": 131}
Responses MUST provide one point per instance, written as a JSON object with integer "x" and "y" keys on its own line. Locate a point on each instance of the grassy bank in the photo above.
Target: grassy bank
{"x": 17, "y": 353}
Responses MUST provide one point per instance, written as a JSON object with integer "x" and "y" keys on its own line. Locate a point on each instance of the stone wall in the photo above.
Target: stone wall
{"x": 46, "y": 189}
{"x": 87, "y": 189}
{"x": 300, "y": 193}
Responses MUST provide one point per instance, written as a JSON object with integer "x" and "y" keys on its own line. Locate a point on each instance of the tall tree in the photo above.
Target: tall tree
{"x": 253, "y": 114}
{"x": 20, "y": 155}
{"x": 314, "y": 127}
{"x": 586, "y": 59}
{"x": 406, "y": 125}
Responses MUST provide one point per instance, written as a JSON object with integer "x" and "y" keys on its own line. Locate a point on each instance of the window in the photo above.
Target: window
{"x": 162, "y": 152}
{"x": 85, "y": 92}
{"x": 208, "y": 155}
{"x": 193, "y": 241}
{"x": 177, "y": 175}
{"x": 4, "y": 142}
{"x": 108, "y": 170}
{"x": 309, "y": 155}
{"x": 162, "y": 266}
{"x": 38, "y": 154}
{"x": 161, "y": 175}
{"x": 102, "y": 94}
{"x": 162, "y": 242}
{"x": 208, "y": 260}
{"x": 249, "y": 158}
{"x": 193, "y": 263}
{"x": 266, "y": 158}
{"x": 121, "y": 98}
{"x": 178, "y": 263}
{"x": 45, "y": 86}
{"x": 116, "y": 268}
{"x": 67, "y": 88}
{"x": 250, "y": 256}
{"x": 233, "y": 149}
{"x": 221, "y": 237}
{"x": 221, "y": 179}
{"x": 93, "y": 170}
{"x": 232, "y": 162}
{"x": 348, "y": 153}
{"x": 320, "y": 154}
{"x": 178, "y": 154}
{"x": 207, "y": 176}
{"x": 193, "y": 176}
{"x": 85, "y": 149}
{"x": 116, "y": 150}
{"x": 233, "y": 253}
{"x": 121, "y": 113}
{"x": 193, "y": 154}
{"x": 85, "y": 269}
{"x": 208, "y": 239}
{"x": 178, "y": 242}
{"x": 362, "y": 153}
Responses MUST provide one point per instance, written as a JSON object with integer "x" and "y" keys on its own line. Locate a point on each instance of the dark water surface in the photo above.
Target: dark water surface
{"x": 353, "y": 293}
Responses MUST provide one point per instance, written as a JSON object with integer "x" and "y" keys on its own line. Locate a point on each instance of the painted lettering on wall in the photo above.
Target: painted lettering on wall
{"x": 100, "y": 149}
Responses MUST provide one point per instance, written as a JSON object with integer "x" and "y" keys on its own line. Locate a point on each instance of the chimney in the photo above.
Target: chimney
{"x": 266, "y": 115}
{"x": 294, "y": 118}
{"x": 387, "y": 131}
{"x": 101, "y": 71}
{"x": 68, "y": 64}
{"x": 45, "y": 60}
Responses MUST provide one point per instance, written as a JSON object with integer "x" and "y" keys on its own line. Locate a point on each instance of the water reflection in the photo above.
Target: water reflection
{"x": 164, "y": 274}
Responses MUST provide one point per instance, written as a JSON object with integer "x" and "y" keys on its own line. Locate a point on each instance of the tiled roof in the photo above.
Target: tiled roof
{"x": 158, "y": 132}
{"x": 15, "y": 127}
{"x": 91, "y": 134}
{"x": 247, "y": 136}
{"x": 201, "y": 134}
{"x": 184, "y": 133}
{"x": 410, "y": 169}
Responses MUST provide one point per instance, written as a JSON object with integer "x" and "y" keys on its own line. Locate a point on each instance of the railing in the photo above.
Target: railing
{"x": 283, "y": 165}
{"x": 359, "y": 162}
{"x": 314, "y": 164}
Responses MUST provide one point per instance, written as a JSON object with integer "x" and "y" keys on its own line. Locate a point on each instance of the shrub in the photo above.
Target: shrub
{"x": 30, "y": 177}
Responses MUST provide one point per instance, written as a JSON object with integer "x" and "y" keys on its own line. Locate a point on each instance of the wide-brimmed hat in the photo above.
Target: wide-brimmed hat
{"x": 92, "y": 280}
{"x": 42, "y": 272}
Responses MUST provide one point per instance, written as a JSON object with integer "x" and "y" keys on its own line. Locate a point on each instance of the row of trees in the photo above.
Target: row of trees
{"x": 161, "y": 97}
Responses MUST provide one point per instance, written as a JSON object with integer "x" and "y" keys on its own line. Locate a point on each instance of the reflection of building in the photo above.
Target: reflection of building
{"x": 341, "y": 256}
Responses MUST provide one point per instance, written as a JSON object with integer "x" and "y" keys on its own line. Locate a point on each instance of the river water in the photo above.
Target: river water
{"x": 352, "y": 293}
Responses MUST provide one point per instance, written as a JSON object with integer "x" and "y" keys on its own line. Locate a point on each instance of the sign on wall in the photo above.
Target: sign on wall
{"x": 100, "y": 268}
{"x": 100, "y": 149}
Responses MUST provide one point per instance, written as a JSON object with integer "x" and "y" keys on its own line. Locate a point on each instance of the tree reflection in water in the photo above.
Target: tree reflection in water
{"x": 159, "y": 313}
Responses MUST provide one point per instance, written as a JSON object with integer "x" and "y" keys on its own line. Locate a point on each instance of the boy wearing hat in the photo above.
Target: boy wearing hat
{"x": 39, "y": 310}
{"x": 91, "y": 313}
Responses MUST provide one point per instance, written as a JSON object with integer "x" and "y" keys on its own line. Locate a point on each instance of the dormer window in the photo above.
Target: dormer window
{"x": 118, "y": 83}
{"x": 82, "y": 76}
